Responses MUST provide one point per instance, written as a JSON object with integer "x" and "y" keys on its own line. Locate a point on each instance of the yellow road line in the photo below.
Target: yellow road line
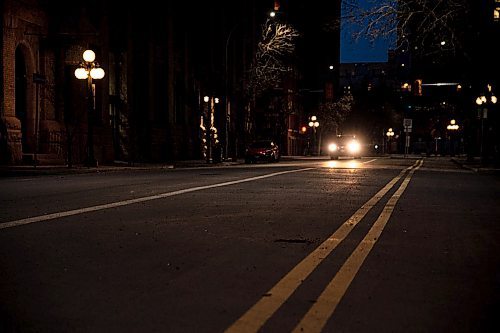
{"x": 258, "y": 314}
{"x": 317, "y": 316}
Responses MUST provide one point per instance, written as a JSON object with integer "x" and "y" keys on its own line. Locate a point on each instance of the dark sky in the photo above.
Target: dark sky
{"x": 361, "y": 50}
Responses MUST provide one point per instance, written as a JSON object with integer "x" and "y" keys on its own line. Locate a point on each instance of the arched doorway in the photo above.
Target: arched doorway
{"x": 21, "y": 87}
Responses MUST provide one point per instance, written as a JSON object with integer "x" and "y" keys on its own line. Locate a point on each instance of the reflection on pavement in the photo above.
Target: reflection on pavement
{"x": 347, "y": 164}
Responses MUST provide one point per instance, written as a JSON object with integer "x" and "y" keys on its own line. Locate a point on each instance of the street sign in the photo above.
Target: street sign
{"x": 407, "y": 123}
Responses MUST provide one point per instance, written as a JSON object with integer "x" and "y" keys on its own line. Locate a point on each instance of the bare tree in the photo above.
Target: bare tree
{"x": 276, "y": 46}
{"x": 424, "y": 26}
{"x": 270, "y": 65}
{"x": 333, "y": 114}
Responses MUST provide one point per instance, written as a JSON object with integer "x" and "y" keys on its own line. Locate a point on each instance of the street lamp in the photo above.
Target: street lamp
{"x": 226, "y": 87}
{"x": 452, "y": 128}
{"x": 389, "y": 134}
{"x": 483, "y": 101}
{"x": 211, "y": 136}
{"x": 314, "y": 124}
{"x": 89, "y": 70}
{"x": 272, "y": 15}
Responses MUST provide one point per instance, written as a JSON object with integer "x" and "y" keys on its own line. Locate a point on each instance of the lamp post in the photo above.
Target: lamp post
{"x": 227, "y": 101}
{"x": 90, "y": 70}
{"x": 483, "y": 101}
{"x": 211, "y": 136}
{"x": 314, "y": 124}
{"x": 226, "y": 87}
{"x": 389, "y": 134}
{"x": 452, "y": 128}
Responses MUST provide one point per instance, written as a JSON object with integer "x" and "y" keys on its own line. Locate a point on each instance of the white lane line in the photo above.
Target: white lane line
{"x": 137, "y": 200}
{"x": 317, "y": 316}
{"x": 258, "y": 314}
{"x": 373, "y": 160}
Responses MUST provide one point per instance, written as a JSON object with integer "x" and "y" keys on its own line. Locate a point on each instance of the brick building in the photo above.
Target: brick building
{"x": 159, "y": 64}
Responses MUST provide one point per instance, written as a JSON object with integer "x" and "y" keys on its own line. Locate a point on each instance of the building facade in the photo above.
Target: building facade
{"x": 159, "y": 65}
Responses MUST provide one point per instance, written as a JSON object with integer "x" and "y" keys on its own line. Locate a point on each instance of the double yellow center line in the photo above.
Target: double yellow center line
{"x": 317, "y": 316}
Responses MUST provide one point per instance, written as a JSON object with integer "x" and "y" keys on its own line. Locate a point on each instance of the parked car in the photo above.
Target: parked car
{"x": 345, "y": 145}
{"x": 262, "y": 150}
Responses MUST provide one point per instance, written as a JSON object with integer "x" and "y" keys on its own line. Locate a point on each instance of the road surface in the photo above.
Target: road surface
{"x": 369, "y": 245}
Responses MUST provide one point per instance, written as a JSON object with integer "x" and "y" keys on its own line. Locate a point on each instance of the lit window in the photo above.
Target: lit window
{"x": 496, "y": 14}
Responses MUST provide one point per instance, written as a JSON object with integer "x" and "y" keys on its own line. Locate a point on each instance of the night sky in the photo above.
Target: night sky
{"x": 361, "y": 50}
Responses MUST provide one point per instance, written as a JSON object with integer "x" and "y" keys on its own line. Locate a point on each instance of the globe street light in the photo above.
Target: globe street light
{"x": 452, "y": 128}
{"x": 389, "y": 134}
{"x": 483, "y": 102}
{"x": 90, "y": 70}
{"x": 314, "y": 124}
{"x": 211, "y": 136}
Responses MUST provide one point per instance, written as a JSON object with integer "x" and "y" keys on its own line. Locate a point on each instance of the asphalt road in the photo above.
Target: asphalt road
{"x": 371, "y": 245}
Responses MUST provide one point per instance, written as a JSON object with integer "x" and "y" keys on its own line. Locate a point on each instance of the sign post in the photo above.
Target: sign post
{"x": 407, "y": 123}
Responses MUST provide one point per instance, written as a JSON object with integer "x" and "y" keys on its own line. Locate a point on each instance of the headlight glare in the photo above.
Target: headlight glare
{"x": 332, "y": 147}
{"x": 354, "y": 147}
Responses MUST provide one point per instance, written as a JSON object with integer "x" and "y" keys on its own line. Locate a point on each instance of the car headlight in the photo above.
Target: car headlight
{"x": 332, "y": 147}
{"x": 354, "y": 147}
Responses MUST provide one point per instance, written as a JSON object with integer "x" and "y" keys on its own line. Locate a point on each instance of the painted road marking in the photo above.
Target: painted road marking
{"x": 52, "y": 216}
{"x": 317, "y": 316}
{"x": 257, "y": 315}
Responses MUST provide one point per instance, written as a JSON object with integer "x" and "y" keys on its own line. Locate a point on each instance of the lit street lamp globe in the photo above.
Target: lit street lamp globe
{"x": 81, "y": 73}
{"x": 89, "y": 56}
{"x": 97, "y": 73}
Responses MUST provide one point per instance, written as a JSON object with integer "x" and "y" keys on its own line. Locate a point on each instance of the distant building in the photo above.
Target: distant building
{"x": 439, "y": 86}
{"x": 374, "y": 90}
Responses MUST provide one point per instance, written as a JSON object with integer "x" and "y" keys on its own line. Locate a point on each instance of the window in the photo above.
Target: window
{"x": 496, "y": 14}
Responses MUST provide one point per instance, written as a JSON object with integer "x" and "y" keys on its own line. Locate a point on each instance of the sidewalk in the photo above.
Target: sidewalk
{"x": 475, "y": 164}
{"x": 29, "y": 170}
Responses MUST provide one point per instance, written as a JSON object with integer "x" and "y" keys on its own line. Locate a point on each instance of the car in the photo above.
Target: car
{"x": 262, "y": 150}
{"x": 345, "y": 145}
